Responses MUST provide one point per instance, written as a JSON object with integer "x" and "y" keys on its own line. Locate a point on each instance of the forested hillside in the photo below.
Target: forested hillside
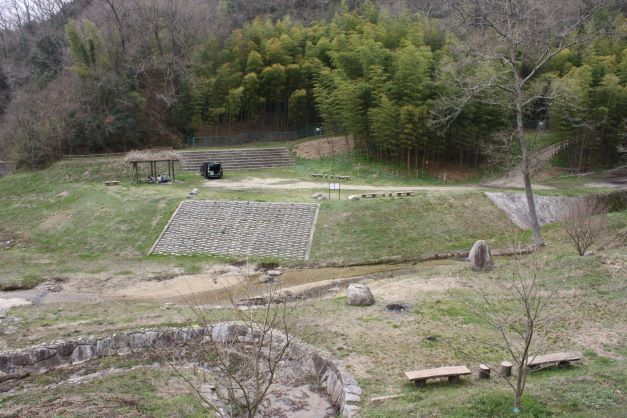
{"x": 113, "y": 75}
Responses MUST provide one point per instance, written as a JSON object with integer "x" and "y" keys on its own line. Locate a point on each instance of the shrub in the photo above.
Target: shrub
{"x": 584, "y": 221}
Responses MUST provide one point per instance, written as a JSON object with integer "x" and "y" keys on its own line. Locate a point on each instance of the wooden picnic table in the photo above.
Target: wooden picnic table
{"x": 419, "y": 377}
{"x": 561, "y": 359}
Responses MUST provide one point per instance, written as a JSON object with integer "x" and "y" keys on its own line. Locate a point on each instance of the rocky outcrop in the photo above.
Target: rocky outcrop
{"x": 340, "y": 386}
{"x": 359, "y": 295}
{"x": 480, "y": 257}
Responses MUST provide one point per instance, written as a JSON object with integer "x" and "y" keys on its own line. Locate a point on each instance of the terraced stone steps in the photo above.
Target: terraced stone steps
{"x": 238, "y": 158}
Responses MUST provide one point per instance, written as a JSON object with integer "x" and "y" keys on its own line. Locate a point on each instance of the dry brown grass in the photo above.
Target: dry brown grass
{"x": 584, "y": 221}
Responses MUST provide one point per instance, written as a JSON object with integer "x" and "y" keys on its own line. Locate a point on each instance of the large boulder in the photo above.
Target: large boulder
{"x": 480, "y": 257}
{"x": 359, "y": 295}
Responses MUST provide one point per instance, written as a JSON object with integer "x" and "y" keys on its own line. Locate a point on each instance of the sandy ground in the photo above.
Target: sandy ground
{"x": 410, "y": 288}
{"x": 178, "y": 287}
{"x": 6, "y": 304}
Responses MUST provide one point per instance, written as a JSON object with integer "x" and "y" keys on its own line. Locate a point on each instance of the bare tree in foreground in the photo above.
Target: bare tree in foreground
{"x": 522, "y": 314}
{"x": 584, "y": 221}
{"x": 248, "y": 348}
{"x": 520, "y": 37}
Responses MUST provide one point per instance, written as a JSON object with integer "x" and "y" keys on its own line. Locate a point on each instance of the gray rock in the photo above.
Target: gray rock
{"x": 480, "y": 257}
{"x": 10, "y": 330}
{"x": 359, "y": 295}
{"x": 354, "y": 197}
{"x": 82, "y": 353}
{"x": 588, "y": 254}
{"x": 317, "y": 195}
{"x": 264, "y": 278}
{"x": 274, "y": 273}
{"x": 66, "y": 348}
{"x": 350, "y": 411}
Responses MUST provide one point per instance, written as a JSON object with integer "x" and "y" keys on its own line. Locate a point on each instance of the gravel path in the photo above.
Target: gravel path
{"x": 514, "y": 177}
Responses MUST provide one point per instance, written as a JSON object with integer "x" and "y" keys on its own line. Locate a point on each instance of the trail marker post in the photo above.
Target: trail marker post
{"x": 335, "y": 186}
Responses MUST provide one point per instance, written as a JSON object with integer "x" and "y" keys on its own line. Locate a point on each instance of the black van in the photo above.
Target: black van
{"x": 211, "y": 170}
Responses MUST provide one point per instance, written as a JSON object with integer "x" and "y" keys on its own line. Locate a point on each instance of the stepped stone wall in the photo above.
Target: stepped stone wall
{"x": 340, "y": 386}
{"x": 264, "y": 229}
{"x": 238, "y": 158}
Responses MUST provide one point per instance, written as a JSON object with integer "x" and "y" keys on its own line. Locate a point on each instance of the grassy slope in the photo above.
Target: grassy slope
{"x": 366, "y": 230}
{"x": 65, "y": 221}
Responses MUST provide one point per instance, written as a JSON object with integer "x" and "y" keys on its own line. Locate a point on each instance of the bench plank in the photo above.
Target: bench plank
{"x": 438, "y": 372}
{"x": 554, "y": 358}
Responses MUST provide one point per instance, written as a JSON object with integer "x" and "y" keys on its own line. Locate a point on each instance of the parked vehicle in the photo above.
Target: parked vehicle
{"x": 211, "y": 170}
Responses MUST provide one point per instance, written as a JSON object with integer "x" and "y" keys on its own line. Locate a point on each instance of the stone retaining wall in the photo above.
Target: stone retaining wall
{"x": 263, "y": 229}
{"x": 334, "y": 379}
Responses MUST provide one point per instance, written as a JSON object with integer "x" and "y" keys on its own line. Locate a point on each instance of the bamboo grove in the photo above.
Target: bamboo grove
{"x": 91, "y": 83}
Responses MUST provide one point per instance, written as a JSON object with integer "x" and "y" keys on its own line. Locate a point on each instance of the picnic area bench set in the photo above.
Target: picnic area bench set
{"x": 392, "y": 194}
{"x": 453, "y": 373}
{"x": 330, "y": 176}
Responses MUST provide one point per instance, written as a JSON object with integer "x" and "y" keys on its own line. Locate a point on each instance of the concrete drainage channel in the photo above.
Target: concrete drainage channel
{"x": 341, "y": 388}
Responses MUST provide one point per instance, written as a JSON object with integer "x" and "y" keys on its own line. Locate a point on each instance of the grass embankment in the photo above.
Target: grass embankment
{"x": 63, "y": 221}
{"x": 130, "y": 387}
{"x": 379, "y": 173}
{"x": 367, "y": 230}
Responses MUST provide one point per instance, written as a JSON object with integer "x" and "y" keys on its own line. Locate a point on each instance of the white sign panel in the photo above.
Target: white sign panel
{"x": 334, "y": 186}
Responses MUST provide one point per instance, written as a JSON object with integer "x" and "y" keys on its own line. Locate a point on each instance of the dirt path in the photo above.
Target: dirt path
{"x": 514, "y": 177}
{"x": 289, "y": 184}
{"x": 325, "y": 147}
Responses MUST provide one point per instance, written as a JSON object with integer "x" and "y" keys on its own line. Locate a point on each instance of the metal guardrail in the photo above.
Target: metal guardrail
{"x": 107, "y": 155}
{"x": 89, "y": 156}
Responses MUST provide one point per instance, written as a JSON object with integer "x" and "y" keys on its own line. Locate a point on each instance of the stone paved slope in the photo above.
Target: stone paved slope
{"x": 262, "y": 229}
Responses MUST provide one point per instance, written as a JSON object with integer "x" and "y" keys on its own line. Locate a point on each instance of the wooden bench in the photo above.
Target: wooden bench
{"x": 316, "y": 175}
{"x": 399, "y": 194}
{"x": 369, "y": 195}
{"x": 111, "y": 183}
{"x": 343, "y": 177}
{"x": 420, "y": 377}
{"x": 561, "y": 359}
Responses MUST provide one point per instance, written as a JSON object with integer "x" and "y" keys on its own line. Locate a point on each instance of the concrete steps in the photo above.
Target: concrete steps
{"x": 237, "y": 159}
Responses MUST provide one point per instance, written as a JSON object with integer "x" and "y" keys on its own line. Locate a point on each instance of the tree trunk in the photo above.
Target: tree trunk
{"x": 535, "y": 225}
{"x": 519, "y": 384}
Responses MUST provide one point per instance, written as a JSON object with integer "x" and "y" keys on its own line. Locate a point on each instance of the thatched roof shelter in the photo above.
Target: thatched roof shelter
{"x": 152, "y": 157}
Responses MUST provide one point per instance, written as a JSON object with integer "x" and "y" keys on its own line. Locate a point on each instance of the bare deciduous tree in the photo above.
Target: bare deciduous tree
{"x": 248, "y": 349}
{"x": 584, "y": 221}
{"x": 519, "y": 37}
{"x": 522, "y": 314}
